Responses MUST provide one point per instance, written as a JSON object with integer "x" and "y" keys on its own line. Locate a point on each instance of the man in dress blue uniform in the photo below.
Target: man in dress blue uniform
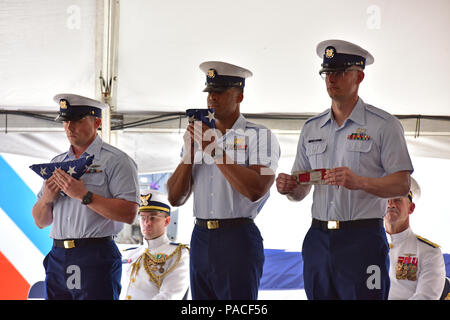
{"x": 85, "y": 213}
{"x": 345, "y": 251}
{"x": 230, "y": 173}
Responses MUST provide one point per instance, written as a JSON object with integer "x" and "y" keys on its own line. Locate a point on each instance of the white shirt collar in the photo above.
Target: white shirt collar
{"x": 399, "y": 237}
{"x": 154, "y": 243}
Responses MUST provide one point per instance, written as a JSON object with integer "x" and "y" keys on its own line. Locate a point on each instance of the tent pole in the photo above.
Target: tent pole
{"x": 107, "y": 37}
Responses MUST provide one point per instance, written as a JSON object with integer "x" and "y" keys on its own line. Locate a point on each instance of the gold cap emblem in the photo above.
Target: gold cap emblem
{"x": 145, "y": 199}
{"x": 63, "y": 104}
{"x": 212, "y": 73}
{"x": 329, "y": 52}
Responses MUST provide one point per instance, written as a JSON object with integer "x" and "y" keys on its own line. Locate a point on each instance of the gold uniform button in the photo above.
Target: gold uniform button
{"x": 128, "y": 297}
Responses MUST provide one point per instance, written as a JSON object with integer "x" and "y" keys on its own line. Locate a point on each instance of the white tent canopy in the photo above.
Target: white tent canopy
{"x": 142, "y": 58}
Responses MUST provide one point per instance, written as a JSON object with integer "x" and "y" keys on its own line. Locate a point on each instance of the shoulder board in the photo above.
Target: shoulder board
{"x": 377, "y": 111}
{"x": 317, "y": 116}
{"x": 428, "y": 242}
{"x": 128, "y": 249}
{"x": 180, "y": 245}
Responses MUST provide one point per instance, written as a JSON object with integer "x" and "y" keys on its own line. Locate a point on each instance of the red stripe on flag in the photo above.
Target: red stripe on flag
{"x": 13, "y": 285}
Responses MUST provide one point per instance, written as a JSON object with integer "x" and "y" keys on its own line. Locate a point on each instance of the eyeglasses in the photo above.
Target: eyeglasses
{"x": 335, "y": 74}
{"x": 151, "y": 218}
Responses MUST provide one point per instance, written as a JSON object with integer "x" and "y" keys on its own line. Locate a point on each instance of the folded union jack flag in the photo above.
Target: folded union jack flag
{"x": 204, "y": 115}
{"x": 76, "y": 168}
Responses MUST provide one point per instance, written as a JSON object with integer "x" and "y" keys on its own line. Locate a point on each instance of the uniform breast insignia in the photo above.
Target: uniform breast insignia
{"x": 359, "y": 134}
{"x": 93, "y": 169}
{"x": 155, "y": 265}
{"x": 128, "y": 260}
{"x": 238, "y": 144}
{"x": 156, "y": 262}
{"x": 406, "y": 267}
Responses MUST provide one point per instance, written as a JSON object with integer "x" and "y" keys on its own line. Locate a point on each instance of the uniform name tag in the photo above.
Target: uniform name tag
{"x": 93, "y": 170}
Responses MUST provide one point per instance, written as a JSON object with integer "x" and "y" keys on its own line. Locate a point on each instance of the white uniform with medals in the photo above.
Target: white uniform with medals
{"x": 417, "y": 270}
{"x": 157, "y": 270}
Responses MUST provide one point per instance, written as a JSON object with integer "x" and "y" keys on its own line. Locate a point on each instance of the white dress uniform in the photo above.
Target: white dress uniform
{"x": 417, "y": 270}
{"x": 157, "y": 270}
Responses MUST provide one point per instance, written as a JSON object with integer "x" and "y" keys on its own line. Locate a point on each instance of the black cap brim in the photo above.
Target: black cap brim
{"x": 72, "y": 117}
{"x": 215, "y": 88}
{"x": 328, "y": 69}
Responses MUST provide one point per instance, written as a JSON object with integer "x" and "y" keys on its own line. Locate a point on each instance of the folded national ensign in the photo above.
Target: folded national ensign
{"x": 76, "y": 168}
{"x": 204, "y": 115}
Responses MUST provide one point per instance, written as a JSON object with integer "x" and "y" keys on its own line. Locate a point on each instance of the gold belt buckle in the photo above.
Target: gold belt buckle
{"x": 333, "y": 225}
{"x": 69, "y": 244}
{"x": 213, "y": 224}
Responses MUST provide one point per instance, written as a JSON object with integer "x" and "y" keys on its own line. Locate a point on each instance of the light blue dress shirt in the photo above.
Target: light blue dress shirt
{"x": 247, "y": 144}
{"x": 323, "y": 144}
{"x": 115, "y": 176}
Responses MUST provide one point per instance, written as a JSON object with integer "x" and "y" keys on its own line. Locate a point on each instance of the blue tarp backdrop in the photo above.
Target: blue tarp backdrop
{"x": 284, "y": 270}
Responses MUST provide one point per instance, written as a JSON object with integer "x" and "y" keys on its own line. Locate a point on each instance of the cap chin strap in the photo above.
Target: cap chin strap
{"x": 410, "y": 195}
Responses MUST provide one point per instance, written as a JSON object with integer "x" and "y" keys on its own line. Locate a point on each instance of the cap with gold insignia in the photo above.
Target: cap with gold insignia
{"x": 154, "y": 200}
{"x": 221, "y": 75}
{"x": 339, "y": 55}
{"x": 73, "y": 107}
